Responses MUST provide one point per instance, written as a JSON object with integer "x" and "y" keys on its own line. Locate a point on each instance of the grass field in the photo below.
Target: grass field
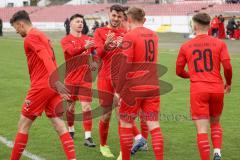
{"x": 179, "y": 133}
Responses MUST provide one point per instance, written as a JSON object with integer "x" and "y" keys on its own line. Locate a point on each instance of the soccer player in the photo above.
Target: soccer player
{"x": 215, "y": 26}
{"x": 40, "y": 97}
{"x": 77, "y": 45}
{"x": 139, "y": 137}
{"x": 204, "y": 56}
{"x": 140, "y": 46}
{"x": 107, "y": 40}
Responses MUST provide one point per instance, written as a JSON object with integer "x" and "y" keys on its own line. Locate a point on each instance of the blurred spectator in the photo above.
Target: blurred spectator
{"x": 215, "y": 26}
{"x": 222, "y": 34}
{"x": 102, "y": 24}
{"x": 237, "y": 31}
{"x": 96, "y": 25}
{"x": 1, "y": 26}
{"x": 231, "y": 26}
{"x": 106, "y": 23}
{"x": 67, "y": 26}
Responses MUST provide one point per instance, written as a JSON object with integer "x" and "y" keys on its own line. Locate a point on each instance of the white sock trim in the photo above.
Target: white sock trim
{"x": 71, "y": 129}
{"x": 137, "y": 137}
{"x": 88, "y": 134}
{"x": 218, "y": 151}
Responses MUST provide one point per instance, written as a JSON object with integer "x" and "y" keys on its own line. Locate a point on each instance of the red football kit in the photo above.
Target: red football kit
{"x": 215, "y": 23}
{"x": 78, "y": 74}
{"x": 139, "y": 88}
{"x": 140, "y": 46}
{"x": 204, "y": 55}
{"x": 41, "y": 64}
{"x": 105, "y": 86}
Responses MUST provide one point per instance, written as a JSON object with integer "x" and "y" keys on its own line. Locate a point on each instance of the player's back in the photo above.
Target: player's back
{"x": 37, "y": 46}
{"x": 143, "y": 54}
{"x": 204, "y": 55}
{"x": 145, "y": 43}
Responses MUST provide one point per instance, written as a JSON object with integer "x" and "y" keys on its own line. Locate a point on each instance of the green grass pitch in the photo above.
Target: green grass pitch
{"x": 179, "y": 133}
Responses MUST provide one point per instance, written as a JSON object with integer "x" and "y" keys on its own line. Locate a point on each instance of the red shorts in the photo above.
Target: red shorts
{"x": 105, "y": 92}
{"x": 81, "y": 92}
{"x": 149, "y": 108}
{"x": 40, "y": 100}
{"x": 206, "y": 105}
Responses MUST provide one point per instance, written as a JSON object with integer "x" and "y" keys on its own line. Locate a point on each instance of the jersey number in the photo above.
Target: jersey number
{"x": 150, "y": 49}
{"x": 205, "y": 56}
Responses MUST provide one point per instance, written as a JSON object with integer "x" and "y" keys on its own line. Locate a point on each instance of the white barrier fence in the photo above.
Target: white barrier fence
{"x": 178, "y": 24}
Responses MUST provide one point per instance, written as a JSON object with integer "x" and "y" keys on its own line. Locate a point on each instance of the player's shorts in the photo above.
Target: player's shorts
{"x": 147, "y": 107}
{"x": 40, "y": 100}
{"x": 81, "y": 92}
{"x": 206, "y": 105}
{"x": 105, "y": 92}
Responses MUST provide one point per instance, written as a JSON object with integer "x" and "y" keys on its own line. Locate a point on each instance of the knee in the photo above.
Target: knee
{"x": 106, "y": 117}
{"x": 125, "y": 124}
{"x": 24, "y": 126}
{"x": 86, "y": 108}
{"x": 152, "y": 125}
{"x": 59, "y": 127}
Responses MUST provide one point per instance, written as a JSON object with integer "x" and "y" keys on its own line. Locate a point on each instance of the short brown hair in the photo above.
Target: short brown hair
{"x": 20, "y": 16}
{"x": 137, "y": 14}
{"x": 202, "y": 19}
{"x": 117, "y": 8}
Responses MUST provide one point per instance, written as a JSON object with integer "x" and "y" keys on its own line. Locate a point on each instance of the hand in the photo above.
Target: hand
{"x": 119, "y": 41}
{"x": 93, "y": 66}
{"x": 116, "y": 99}
{"x": 89, "y": 44}
{"x": 227, "y": 88}
{"x": 110, "y": 38}
{"x": 62, "y": 90}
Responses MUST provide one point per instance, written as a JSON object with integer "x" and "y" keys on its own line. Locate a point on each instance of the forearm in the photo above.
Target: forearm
{"x": 180, "y": 71}
{"x": 227, "y": 71}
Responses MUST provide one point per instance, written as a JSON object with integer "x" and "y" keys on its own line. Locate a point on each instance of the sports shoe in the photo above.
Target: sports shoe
{"x": 120, "y": 156}
{"x": 72, "y": 134}
{"x": 106, "y": 152}
{"x": 144, "y": 148}
{"x": 89, "y": 142}
{"x": 137, "y": 145}
{"x": 216, "y": 157}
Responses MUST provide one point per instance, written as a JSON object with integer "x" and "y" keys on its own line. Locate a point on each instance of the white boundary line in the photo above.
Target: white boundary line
{"x": 27, "y": 154}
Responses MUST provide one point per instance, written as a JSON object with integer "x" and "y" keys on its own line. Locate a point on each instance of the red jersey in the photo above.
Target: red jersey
{"x": 215, "y": 23}
{"x": 140, "y": 45}
{"x": 40, "y": 58}
{"x": 100, "y": 37}
{"x": 203, "y": 56}
{"x": 78, "y": 67}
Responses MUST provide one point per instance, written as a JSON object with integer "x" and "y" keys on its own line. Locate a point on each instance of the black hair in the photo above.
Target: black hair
{"x": 117, "y": 8}
{"x": 85, "y": 27}
{"x": 21, "y": 15}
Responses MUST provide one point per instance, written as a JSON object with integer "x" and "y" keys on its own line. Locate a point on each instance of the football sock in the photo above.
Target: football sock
{"x": 19, "y": 146}
{"x": 87, "y": 121}
{"x": 126, "y": 142}
{"x": 68, "y": 146}
{"x": 157, "y": 143}
{"x": 103, "y": 132}
{"x": 203, "y": 146}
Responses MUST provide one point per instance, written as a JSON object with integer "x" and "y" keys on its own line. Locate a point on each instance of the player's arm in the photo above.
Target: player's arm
{"x": 227, "y": 67}
{"x": 70, "y": 49}
{"x": 42, "y": 53}
{"x": 40, "y": 49}
{"x": 99, "y": 44}
{"x": 125, "y": 62}
{"x": 180, "y": 65}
